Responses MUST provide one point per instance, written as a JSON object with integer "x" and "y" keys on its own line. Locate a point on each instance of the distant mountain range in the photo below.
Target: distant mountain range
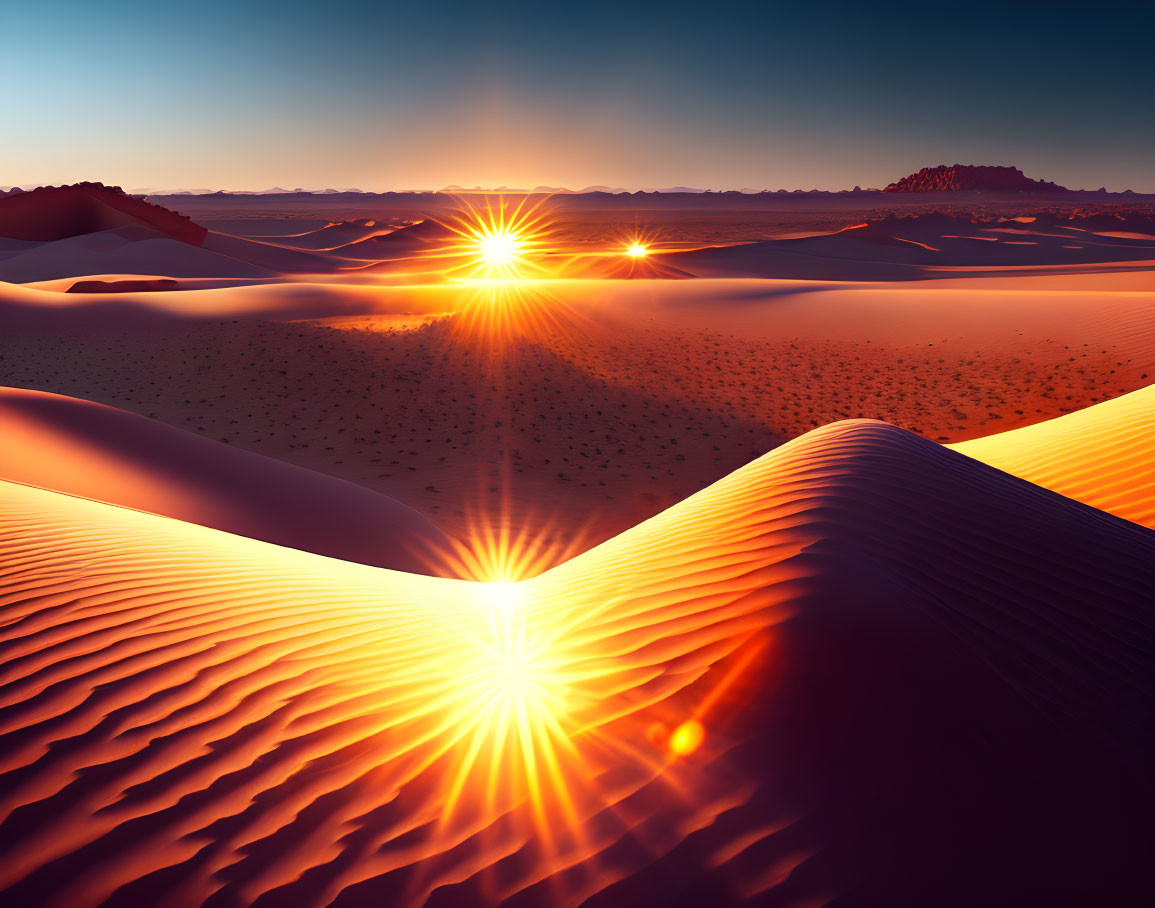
{"x": 941, "y": 179}
{"x": 561, "y": 190}
{"x": 276, "y": 190}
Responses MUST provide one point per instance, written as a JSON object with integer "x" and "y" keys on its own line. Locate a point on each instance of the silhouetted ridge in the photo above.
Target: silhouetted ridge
{"x": 962, "y": 177}
{"x": 58, "y": 212}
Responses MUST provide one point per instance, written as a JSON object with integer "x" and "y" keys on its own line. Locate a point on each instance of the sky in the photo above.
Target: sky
{"x": 245, "y": 95}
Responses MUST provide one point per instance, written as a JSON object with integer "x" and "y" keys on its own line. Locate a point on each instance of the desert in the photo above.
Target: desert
{"x": 274, "y": 504}
{"x": 595, "y": 455}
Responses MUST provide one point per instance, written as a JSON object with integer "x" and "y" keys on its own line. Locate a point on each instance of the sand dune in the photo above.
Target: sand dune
{"x": 332, "y": 235}
{"x": 859, "y": 670}
{"x": 99, "y": 452}
{"x": 1103, "y": 455}
{"x": 138, "y": 248}
{"x": 48, "y": 304}
{"x": 422, "y": 235}
{"x": 271, "y": 256}
{"x": 126, "y": 250}
{"x": 427, "y": 246}
{"x": 601, "y": 266}
{"x": 916, "y": 248}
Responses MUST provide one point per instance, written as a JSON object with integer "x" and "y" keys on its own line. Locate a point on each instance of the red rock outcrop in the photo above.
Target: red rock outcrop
{"x": 58, "y": 212}
{"x": 962, "y": 177}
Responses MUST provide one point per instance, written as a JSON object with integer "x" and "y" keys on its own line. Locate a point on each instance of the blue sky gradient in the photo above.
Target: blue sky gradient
{"x": 246, "y": 95}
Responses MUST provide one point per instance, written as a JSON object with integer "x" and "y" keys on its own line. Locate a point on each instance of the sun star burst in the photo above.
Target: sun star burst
{"x": 501, "y": 239}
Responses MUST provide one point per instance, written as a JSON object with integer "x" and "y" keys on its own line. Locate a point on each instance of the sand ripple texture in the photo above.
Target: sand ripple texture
{"x": 862, "y": 670}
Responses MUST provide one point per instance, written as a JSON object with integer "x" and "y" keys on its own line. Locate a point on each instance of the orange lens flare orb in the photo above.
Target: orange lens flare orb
{"x": 687, "y": 737}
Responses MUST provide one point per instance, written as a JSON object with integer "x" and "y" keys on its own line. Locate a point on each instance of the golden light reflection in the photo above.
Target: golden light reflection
{"x": 498, "y": 313}
{"x": 514, "y": 705}
{"x": 542, "y": 705}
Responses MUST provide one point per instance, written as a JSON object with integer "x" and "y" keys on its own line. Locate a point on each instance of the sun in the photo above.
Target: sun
{"x": 637, "y": 250}
{"x": 499, "y": 248}
{"x": 500, "y": 239}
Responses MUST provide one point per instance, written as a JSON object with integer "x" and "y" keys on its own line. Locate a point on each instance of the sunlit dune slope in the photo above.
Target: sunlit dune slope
{"x": 862, "y": 670}
{"x": 1103, "y": 455}
{"x": 100, "y": 452}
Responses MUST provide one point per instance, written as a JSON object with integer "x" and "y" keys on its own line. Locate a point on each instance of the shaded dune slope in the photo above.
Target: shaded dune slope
{"x": 124, "y": 250}
{"x": 926, "y": 246}
{"x": 271, "y": 256}
{"x": 100, "y": 452}
{"x": 922, "y": 682}
{"x": 1103, "y": 455}
{"x": 424, "y": 238}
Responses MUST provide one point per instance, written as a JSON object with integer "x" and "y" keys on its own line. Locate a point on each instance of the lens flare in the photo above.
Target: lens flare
{"x": 496, "y": 557}
{"x": 500, "y": 239}
{"x": 500, "y": 249}
{"x": 514, "y": 685}
{"x": 687, "y": 737}
{"x": 637, "y": 250}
